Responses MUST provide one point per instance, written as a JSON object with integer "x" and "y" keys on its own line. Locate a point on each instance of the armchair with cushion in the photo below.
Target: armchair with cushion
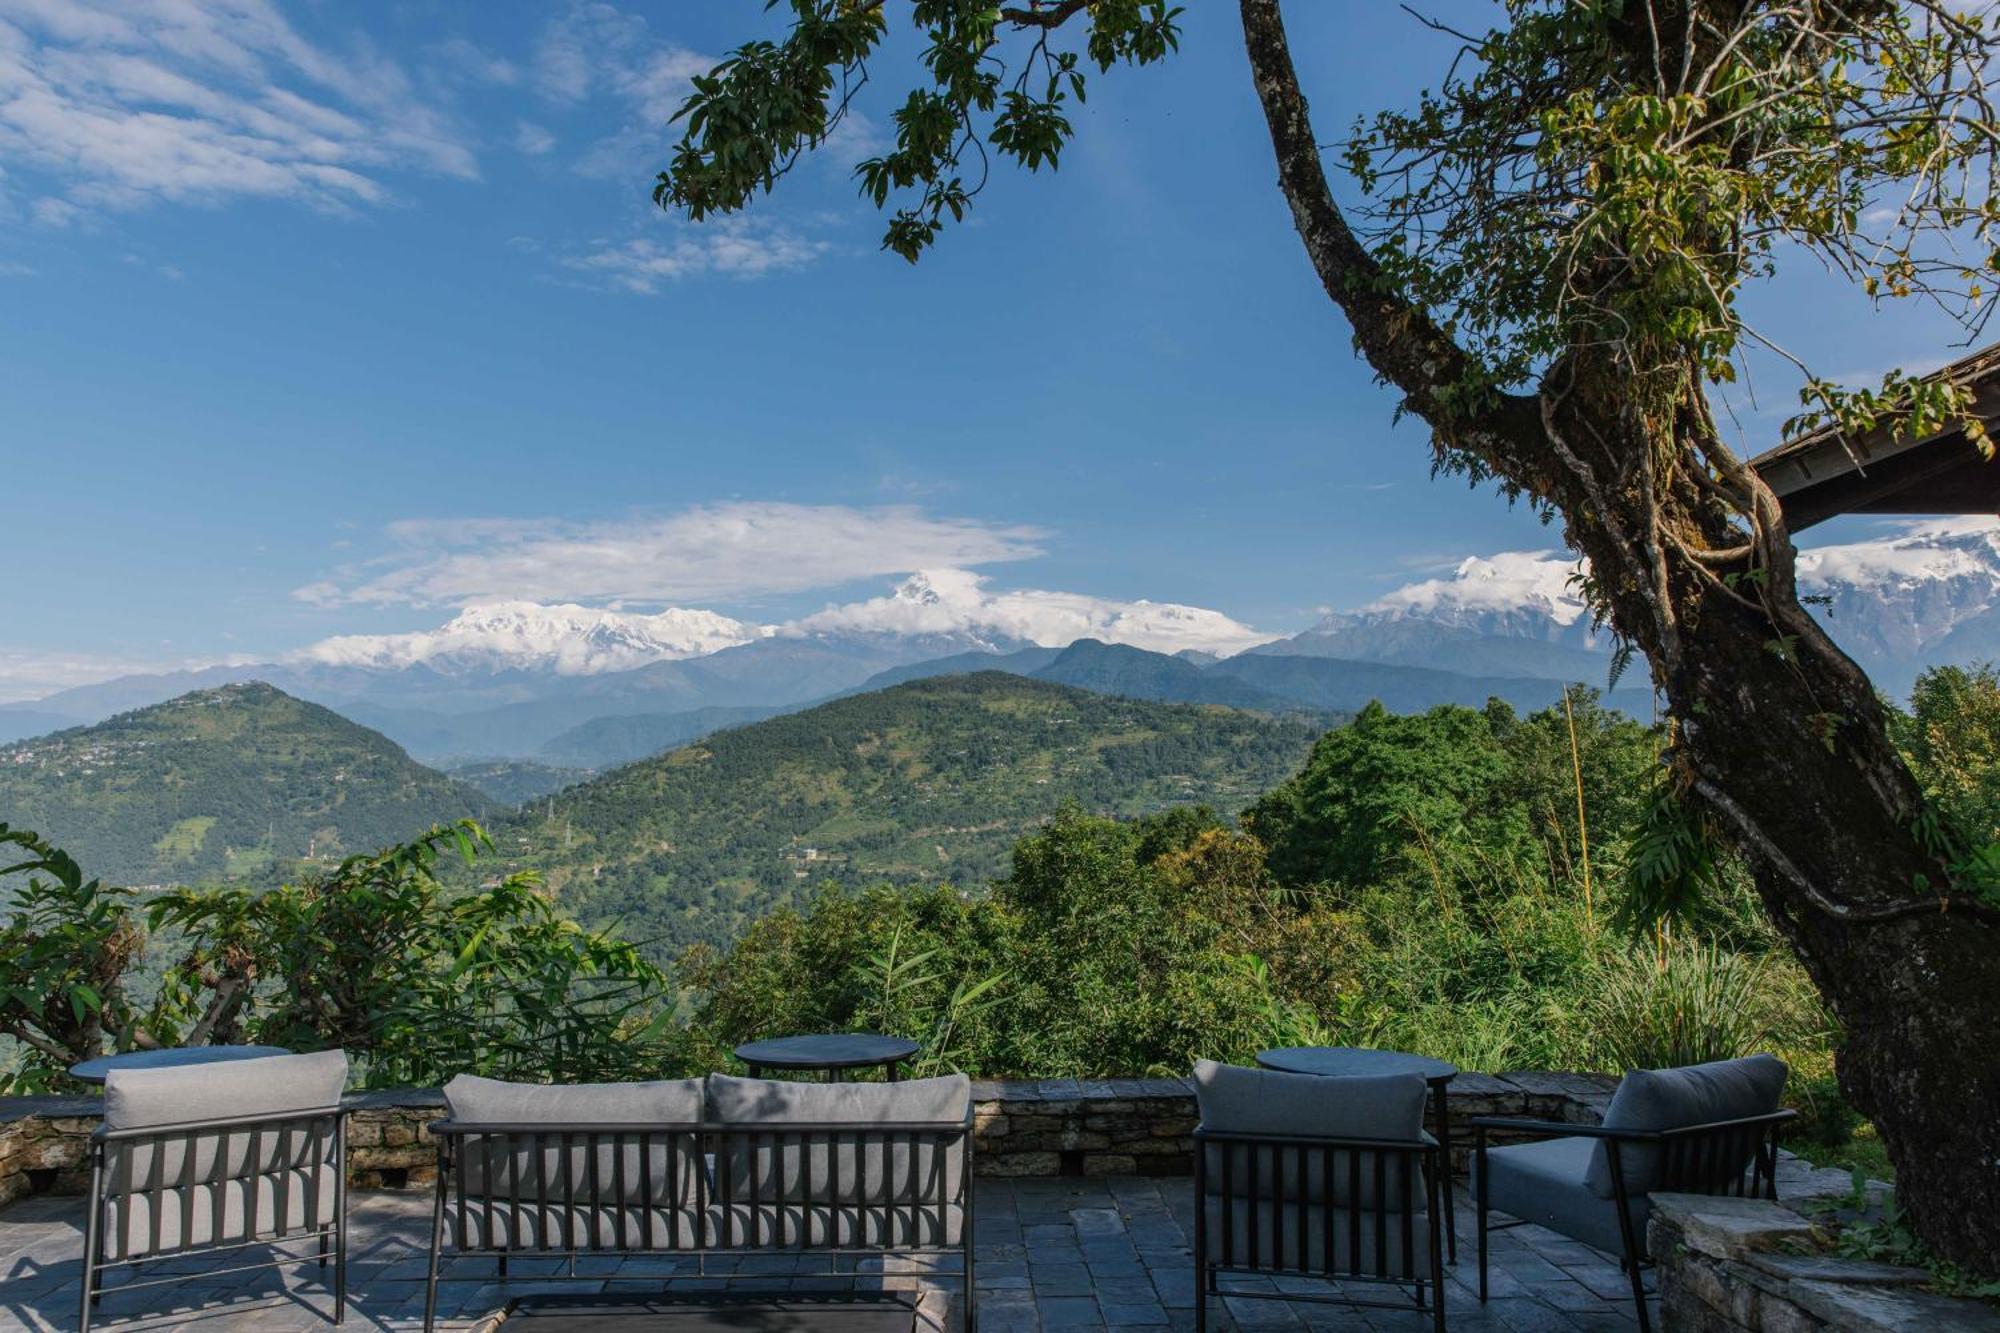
{"x": 1316, "y": 1177}
{"x": 1702, "y": 1129}
{"x": 238, "y": 1156}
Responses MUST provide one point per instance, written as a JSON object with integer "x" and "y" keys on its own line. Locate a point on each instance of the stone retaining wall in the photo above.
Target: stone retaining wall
{"x": 1750, "y": 1266}
{"x": 1020, "y": 1127}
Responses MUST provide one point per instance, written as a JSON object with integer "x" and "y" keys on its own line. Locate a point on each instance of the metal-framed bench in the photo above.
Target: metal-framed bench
{"x": 765, "y": 1175}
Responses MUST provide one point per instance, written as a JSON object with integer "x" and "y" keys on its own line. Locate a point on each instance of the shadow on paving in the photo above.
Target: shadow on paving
{"x": 1054, "y": 1254}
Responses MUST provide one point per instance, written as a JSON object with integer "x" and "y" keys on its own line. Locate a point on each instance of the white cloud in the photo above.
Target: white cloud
{"x": 27, "y": 675}
{"x": 734, "y": 247}
{"x": 709, "y": 554}
{"x": 532, "y": 139}
{"x": 11, "y": 268}
{"x": 105, "y": 104}
{"x": 594, "y": 51}
{"x": 957, "y": 601}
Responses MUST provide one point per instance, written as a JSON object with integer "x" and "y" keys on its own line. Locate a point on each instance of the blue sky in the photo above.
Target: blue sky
{"x": 292, "y": 293}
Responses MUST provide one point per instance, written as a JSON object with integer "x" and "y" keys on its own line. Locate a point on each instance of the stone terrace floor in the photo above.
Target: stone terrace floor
{"x": 1066, "y": 1254}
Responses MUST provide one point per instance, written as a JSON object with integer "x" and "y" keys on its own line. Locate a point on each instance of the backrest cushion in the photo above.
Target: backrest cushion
{"x": 581, "y": 1165}
{"x": 1657, "y": 1099}
{"x": 194, "y": 1095}
{"x": 1236, "y": 1100}
{"x": 776, "y": 1168}
{"x": 491, "y": 1101}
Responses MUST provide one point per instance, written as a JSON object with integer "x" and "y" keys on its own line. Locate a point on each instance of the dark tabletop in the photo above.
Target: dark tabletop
{"x": 1346, "y": 1061}
{"x": 93, "y": 1071}
{"x": 838, "y": 1050}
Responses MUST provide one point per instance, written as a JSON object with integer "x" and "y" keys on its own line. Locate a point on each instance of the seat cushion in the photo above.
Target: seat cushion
{"x": 1235, "y": 1100}
{"x": 1544, "y": 1182}
{"x": 792, "y": 1226}
{"x": 570, "y": 1160}
{"x": 801, "y": 1167}
{"x": 496, "y": 1223}
{"x": 1286, "y": 1241}
{"x": 1656, "y": 1099}
{"x": 222, "y": 1213}
{"x": 190, "y": 1096}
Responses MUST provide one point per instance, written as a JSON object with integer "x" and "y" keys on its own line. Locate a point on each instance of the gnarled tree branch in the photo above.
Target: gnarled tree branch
{"x": 1439, "y": 379}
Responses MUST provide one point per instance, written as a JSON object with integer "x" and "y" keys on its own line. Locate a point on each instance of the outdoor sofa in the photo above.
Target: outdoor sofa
{"x": 1701, "y": 1129}
{"x": 235, "y": 1156}
{"x": 715, "y": 1166}
{"x": 1325, "y": 1178}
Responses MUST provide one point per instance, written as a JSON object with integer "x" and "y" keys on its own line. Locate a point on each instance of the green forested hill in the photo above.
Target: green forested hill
{"x": 231, "y": 783}
{"x": 932, "y": 780}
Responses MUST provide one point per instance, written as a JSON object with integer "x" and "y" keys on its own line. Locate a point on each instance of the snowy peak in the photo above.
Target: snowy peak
{"x": 1515, "y": 594}
{"x": 562, "y": 640}
{"x": 955, "y": 603}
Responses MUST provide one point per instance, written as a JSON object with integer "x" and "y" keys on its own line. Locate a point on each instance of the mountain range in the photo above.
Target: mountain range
{"x": 232, "y": 783}
{"x": 577, "y": 688}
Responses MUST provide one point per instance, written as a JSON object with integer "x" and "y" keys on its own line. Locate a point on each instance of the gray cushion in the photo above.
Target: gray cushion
{"x": 1655, "y": 1099}
{"x": 653, "y": 1169}
{"x": 1235, "y": 1100}
{"x": 777, "y": 1168}
{"x": 1543, "y": 1182}
{"x": 189, "y": 1096}
{"x": 792, "y": 1226}
{"x": 491, "y": 1101}
{"x": 196, "y": 1094}
{"x": 1276, "y": 1245}
{"x": 176, "y": 1218}
{"x": 495, "y": 1223}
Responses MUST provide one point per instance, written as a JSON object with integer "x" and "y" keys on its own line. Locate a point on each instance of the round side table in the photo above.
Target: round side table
{"x": 833, "y": 1053}
{"x": 174, "y": 1057}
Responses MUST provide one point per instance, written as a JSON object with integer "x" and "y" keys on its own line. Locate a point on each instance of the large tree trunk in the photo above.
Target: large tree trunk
{"x": 1781, "y": 736}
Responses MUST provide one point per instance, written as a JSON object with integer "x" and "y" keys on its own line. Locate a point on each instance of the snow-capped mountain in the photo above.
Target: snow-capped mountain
{"x": 956, "y": 602}
{"x": 563, "y": 640}
{"x": 1926, "y": 592}
{"x": 1923, "y": 593}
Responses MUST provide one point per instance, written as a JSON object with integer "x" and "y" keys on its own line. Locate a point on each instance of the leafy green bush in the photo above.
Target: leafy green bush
{"x": 415, "y": 982}
{"x": 65, "y": 944}
{"x": 1686, "y": 1004}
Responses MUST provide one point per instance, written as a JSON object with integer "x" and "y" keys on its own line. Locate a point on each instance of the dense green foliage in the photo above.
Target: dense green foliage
{"x": 1423, "y": 888}
{"x": 375, "y": 956}
{"x": 931, "y": 780}
{"x": 233, "y": 783}
{"x": 65, "y": 944}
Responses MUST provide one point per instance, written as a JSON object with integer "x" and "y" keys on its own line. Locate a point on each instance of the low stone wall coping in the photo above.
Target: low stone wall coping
{"x": 1021, "y": 1127}
{"x": 1731, "y": 1265}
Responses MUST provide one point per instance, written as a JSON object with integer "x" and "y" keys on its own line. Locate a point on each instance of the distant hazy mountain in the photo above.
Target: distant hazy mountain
{"x": 234, "y": 782}
{"x": 515, "y": 781}
{"x": 1339, "y": 686}
{"x": 1408, "y": 640}
{"x": 1136, "y": 674}
{"x": 606, "y": 742}
{"x": 930, "y": 780}
{"x": 18, "y": 720}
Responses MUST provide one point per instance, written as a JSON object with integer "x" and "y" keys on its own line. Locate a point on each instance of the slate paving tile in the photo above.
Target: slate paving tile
{"x": 1069, "y": 1312}
{"x": 1060, "y": 1279}
{"x": 1132, "y": 1316}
